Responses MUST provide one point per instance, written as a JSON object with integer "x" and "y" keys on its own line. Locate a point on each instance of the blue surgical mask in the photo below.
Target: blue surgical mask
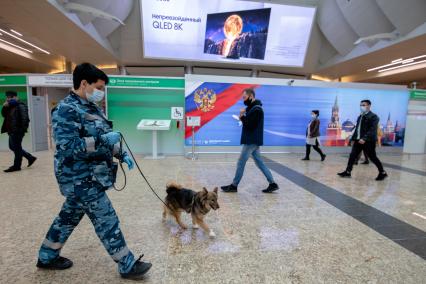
{"x": 96, "y": 96}
{"x": 363, "y": 109}
{"x": 13, "y": 102}
{"x": 313, "y": 116}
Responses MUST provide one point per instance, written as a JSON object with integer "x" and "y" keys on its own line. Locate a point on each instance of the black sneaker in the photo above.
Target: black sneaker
{"x": 271, "y": 188}
{"x": 59, "y": 263}
{"x": 382, "y": 176}
{"x": 229, "y": 188}
{"x": 138, "y": 270}
{"x": 344, "y": 174}
{"x": 323, "y": 157}
{"x": 365, "y": 162}
{"x": 305, "y": 159}
{"x": 12, "y": 169}
{"x": 31, "y": 161}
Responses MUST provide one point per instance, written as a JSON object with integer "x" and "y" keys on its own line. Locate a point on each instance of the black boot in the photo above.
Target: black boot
{"x": 138, "y": 270}
{"x": 31, "y": 161}
{"x": 12, "y": 169}
{"x": 344, "y": 174}
{"x": 229, "y": 188}
{"x": 323, "y": 157}
{"x": 305, "y": 159}
{"x": 366, "y": 162}
{"x": 271, "y": 188}
{"x": 59, "y": 263}
{"x": 382, "y": 176}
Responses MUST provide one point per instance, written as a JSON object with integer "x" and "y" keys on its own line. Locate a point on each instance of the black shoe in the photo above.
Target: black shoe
{"x": 31, "y": 161}
{"x": 271, "y": 188}
{"x": 365, "y": 162}
{"x": 138, "y": 270}
{"x": 229, "y": 188}
{"x": 12, "y": 169}
{"x": 323, "y": 157}
{"x": 382, "y": 176}
{"x": 305, "y": 159}
{"x": 356, "y": 163}
{"x": 59, "y": 263}
{"x": 344, "y": 174}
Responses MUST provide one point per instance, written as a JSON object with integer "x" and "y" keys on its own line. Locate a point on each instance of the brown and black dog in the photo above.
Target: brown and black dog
{"x": 180, "y": 199}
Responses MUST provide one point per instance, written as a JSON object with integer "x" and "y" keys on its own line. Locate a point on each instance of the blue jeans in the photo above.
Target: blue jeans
{"x": 252, "y": 150}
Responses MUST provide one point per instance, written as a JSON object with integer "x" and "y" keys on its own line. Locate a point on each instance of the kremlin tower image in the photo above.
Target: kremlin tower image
{"x": 335, "y": 136}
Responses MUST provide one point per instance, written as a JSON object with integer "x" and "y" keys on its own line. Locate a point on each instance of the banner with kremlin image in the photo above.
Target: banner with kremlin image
{"x": 288, "y": 112}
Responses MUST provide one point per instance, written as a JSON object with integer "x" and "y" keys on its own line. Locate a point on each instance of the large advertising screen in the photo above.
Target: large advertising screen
{"x": 226, "y": 31}
{"x": 287, "y": 111}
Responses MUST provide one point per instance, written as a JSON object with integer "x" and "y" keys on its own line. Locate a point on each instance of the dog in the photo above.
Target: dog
{"x": 198, "y": 204}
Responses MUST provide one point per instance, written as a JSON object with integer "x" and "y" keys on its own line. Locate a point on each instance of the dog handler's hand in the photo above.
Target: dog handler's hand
{"x": 128, "y": 161}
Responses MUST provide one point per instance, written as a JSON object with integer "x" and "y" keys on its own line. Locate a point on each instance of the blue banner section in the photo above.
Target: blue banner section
{"x": 288, "y": 112}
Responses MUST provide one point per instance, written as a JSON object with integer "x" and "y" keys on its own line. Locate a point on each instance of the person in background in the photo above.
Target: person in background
{"x": 312, "y": 136}
{"x": 365, "y": 138}
{"x": 84, "y": 169}
{"x": 252, "y": 118}
{"x": 15, "y": 124}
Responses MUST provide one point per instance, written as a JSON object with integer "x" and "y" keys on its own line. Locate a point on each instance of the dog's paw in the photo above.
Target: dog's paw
{"x": 195, "y": 226}
{"x": 212, "y": 234}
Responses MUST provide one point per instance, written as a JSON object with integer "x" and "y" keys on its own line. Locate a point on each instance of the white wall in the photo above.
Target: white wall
{"x": 415, "y": 133}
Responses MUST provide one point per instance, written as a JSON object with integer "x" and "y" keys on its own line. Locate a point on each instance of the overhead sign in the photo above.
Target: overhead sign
{"x": 418, "y": 94}
{"x": 13, "y": 80}
{"x": 60, "y": 80}
{"x": 177, "y": 112}
{"x": 143, "y": 82}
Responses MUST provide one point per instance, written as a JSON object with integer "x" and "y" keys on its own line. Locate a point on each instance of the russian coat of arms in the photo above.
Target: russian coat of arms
{"x": 205, "y": 99}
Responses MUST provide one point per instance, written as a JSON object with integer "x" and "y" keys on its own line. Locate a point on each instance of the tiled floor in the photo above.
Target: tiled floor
{"x": 298, "y": 235}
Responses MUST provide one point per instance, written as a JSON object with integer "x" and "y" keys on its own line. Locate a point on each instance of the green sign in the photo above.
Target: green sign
{"x": 418, "y": 94}
{"x": 140, "y": 82}
{"x": 14, "y": 80}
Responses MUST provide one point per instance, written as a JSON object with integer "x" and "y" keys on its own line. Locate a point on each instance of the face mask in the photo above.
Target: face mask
{"x": 13, "y": 102}
{"x": 96, "y": 96}
{"x": 363, "y": 109}
{"x": 313, "y": 116}
{"x": 247, "y": 102}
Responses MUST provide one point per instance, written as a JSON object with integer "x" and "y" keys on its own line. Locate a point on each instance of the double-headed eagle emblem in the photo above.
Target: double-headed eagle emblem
{"x": 205, "y": 99}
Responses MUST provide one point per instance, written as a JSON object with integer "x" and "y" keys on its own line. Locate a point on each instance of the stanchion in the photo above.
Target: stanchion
{"x": 192, "y": 156}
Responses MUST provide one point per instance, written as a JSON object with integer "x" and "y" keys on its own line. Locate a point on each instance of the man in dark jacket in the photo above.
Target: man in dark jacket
{"x": 365, "y": 138}
{"x": 252, "y": 118}
{"x": 15, "y": 124}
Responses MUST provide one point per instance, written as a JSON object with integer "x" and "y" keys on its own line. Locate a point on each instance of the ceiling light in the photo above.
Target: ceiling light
{"x": 18, "y": 38}
{"x": 398, "y": 61}
{"x": 401, "y": 66}
{"x": 17, "y": 46}
{"x": 15, "y": 32}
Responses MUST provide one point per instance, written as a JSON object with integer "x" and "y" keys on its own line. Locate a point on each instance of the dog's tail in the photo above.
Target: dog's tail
{"x": 172, "y": 187}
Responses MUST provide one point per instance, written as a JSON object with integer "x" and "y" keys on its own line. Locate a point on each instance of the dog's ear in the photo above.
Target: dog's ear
{"x": 215, "y": 190}
{"x": 205, "y": 191}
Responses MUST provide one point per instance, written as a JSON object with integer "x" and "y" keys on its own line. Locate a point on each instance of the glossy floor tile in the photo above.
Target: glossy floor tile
{"x": 318, "y": 228}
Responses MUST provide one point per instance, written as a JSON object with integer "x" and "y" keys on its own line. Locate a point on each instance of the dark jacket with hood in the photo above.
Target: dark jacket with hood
{"x": 16, "y": 120}
{"x": 253, "y": 124}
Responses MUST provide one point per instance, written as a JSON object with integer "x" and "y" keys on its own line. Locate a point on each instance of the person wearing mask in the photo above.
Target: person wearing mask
{"x": 15, "y": 124}
{"x": 84, "y": 169}
{"x": 365, "y": 138}
{"x": 252, "y": 118}
{"x": 312, "y": 136}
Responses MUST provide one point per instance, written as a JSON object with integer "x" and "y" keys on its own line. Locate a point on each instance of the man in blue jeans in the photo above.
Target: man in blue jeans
{"x": 252, "y": 118}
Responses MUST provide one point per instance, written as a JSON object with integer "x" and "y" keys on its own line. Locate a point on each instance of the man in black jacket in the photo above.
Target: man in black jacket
{"x": 15, "y": 124}
{"x": 365, "y": 138}
{"x": 252, "y": 118}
